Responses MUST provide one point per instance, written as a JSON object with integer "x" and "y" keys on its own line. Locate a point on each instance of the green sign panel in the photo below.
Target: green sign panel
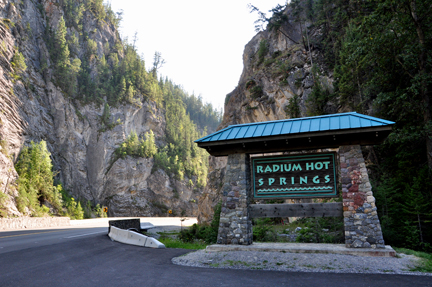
{"x": 298, "y": 176}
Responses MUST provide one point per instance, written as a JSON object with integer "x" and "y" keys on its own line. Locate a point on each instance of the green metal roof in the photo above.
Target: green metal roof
{"x": 332, "y": 122}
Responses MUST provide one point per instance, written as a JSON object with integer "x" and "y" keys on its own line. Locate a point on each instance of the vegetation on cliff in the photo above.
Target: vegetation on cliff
{"x": 36, "y": 183}
{"x": 120, "y": 77}
{"x": 38, "y": 194}
{"x": 378, "y": 54}
{"x": 87, "y": 60}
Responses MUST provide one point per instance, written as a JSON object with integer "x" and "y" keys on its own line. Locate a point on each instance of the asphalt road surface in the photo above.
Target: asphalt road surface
{"x": 87, "y": 257}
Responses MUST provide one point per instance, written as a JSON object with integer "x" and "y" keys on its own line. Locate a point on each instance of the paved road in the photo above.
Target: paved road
{"x": 25, "y": 239}
{"x": 92, "y": 259}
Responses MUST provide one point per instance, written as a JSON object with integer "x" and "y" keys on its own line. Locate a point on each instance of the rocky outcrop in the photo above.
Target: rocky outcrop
{"x": 277, "y": 68}
{"x": 277, "y": 79}
{"x": 211, "y": 194}
{"x": 33, "y": 108}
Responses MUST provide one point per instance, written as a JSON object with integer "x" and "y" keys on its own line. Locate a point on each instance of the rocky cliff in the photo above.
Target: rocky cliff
{"x": 35, "y": 108}
{"x": 276, "y": 83}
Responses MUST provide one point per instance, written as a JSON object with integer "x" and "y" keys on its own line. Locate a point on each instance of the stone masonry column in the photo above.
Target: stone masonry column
{"x": 235, "y": 226}
{"x": 362, "y": 226}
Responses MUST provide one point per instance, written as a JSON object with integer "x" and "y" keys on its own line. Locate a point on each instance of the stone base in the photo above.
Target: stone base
{"x": 362, "y": 226}
{"x": 235, "y": 226}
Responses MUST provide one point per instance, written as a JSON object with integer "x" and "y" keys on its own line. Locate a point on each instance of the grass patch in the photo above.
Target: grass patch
{"x": 232, "y": 263}
{"x": 327, "y": 268}
{"x": 168, "y": 233}
{"x": 175, "y": 243}
{"x": 426, "y": 262}
{"x": 386, "y": 270}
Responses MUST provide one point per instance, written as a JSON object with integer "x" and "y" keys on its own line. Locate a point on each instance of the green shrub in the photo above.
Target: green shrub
{"x": 35, "y": 182}
{"x": 100, "y": 211}
{"x": 136, "y": 147}
{"x": 36, "y": 186}
{"x": 206, "y": 233}
{"x": 71, "y": 208}
{"x": 263, "y": 231}
{"x": 18, "y": 63}
{"x": 320, "y": 96}
{"x": 262, "y": 51}
{"x": 322, "y": 230}
{"x": 3, "y": 198}
{"x": 256, "y": 92}
{"x": 250, "y": 84}
{"x": 293, "y": 107}
{"x": 91, "y": 211}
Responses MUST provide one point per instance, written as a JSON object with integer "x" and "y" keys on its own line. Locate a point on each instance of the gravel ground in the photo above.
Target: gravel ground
{"x": 303, "y": 262}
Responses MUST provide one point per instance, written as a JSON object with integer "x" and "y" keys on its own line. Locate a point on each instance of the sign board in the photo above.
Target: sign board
{"x": 296, "y": 176}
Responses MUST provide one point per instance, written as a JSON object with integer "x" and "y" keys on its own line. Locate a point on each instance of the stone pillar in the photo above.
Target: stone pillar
{"x": 235, "y": 227}
{"x": 362, "y": 226}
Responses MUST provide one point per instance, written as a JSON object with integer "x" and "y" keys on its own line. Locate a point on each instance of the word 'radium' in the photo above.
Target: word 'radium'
{"x": 292, "y": 167}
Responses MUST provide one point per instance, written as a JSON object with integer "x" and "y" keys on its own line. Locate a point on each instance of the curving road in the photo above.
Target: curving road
{"x": 87, "y": 257}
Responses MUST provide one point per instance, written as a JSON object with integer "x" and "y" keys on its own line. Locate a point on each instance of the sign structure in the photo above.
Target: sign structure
{"x": 298, "y": 176}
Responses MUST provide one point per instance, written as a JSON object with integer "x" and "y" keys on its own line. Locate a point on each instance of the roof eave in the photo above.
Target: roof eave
{"x": 386, "y": 128}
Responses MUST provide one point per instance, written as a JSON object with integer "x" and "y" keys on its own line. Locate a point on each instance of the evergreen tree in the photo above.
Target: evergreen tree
{"x": 35, "y": 183}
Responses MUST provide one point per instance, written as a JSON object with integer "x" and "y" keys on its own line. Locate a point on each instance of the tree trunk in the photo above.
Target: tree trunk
{"x": 421, "y": 234}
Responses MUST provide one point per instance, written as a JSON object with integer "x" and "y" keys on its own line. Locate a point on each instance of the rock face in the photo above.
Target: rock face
{"x": 33, "y": 108}
{"x": 212, "y": 192}
{"x": 276, "y": 82}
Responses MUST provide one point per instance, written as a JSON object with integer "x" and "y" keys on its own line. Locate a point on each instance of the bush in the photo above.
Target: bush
{"x": 293, "y": 107}
{"x": 263, "y": 231}
{"x": 262, "y": 51}
{"x": 206, "y": 233}
{"x": 18, "y": 63}
{"x": 71, "y": 208}
{"x": 256, "y": 92}
{"x": 3, "y": 197}
{"x": 322, "y": 230}
{"x": 35, "y": 182}
{"x": 136, "y": 147}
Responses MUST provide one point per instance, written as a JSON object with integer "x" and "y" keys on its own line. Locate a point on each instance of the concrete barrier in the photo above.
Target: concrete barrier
{"x": 153, "y": 243}
{"x": 137, "y": 239}
{"x": 133, "y": 238}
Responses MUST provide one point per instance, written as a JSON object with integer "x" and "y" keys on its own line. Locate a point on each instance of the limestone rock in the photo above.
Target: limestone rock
{"x": 33, "y": 108}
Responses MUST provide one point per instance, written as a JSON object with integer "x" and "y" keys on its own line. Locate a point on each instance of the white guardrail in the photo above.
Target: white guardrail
{"x": 133, "y": 238}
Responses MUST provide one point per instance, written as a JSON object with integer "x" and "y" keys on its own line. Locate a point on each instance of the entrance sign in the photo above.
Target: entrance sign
{"x": 250, "y": 174}
{"x": 298, "y": 176}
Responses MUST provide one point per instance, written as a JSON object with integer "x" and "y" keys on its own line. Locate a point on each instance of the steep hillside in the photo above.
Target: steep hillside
{"x": 68, "y": 79}
{"x": 276, "y": 83}
{"x": 318, "y": 57}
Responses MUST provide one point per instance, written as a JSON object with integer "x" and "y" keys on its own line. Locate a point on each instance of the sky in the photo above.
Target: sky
{"x": 201, "y": 41}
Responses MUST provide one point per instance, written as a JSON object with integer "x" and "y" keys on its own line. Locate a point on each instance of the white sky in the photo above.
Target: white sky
{"x": 201, "y": 41}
